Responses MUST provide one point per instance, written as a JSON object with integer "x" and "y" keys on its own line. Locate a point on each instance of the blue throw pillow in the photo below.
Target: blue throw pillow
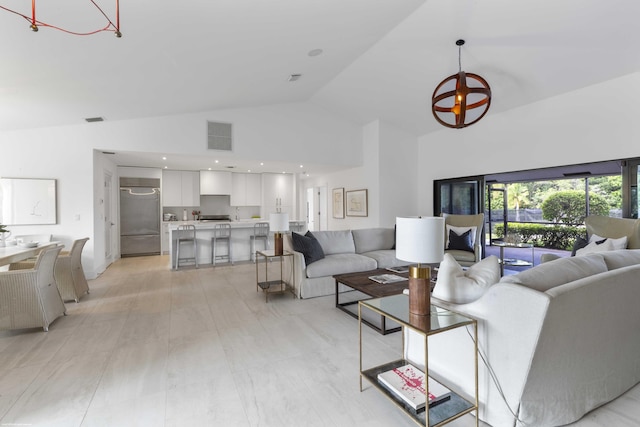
{"x": 308, "y": 245}
{"x": 461, "y": 242}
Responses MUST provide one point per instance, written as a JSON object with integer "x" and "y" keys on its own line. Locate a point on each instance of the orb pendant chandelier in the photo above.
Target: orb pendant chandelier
{"x": 462, "y": 99}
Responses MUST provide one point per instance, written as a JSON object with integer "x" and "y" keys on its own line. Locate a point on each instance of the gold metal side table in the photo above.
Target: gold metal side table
{"x": 280, "y": 284}
{"x": 396, "y": 308}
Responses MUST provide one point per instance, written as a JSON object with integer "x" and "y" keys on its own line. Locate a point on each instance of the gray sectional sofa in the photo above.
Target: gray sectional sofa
{"x": 346, "y": 251}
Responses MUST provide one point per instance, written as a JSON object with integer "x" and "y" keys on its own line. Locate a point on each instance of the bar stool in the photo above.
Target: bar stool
{"x": 186, "y": 234}
{"x": 221, "y": 232}
{"x": 260, "y": 232}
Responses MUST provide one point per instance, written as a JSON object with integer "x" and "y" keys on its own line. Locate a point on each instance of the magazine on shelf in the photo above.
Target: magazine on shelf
{"x": 387, "y": 278}
{"x": 399, "y": 270}
{"x": 407, "y": 382}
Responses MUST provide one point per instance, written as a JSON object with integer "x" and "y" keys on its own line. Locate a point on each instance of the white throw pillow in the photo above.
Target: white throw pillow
{"x": 602, "y": 244}
{"x": 460, "y": 231}
{"x": 620, "y": 243}
{"x": 459, "y": 286}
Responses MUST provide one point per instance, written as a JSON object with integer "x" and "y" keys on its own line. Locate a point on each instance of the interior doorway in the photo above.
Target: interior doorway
{"x": 317, "y": 205}
{"x": 108, "y": 218}
{"x": 310, "y": 209}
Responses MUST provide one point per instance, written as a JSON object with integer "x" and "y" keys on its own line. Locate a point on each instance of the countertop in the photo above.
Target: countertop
{"x": 241, "y": 223}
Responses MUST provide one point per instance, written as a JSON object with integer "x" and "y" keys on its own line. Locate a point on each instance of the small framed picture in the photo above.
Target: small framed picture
{"x": 357, "y": 203}
{"x": 338, "y": 203}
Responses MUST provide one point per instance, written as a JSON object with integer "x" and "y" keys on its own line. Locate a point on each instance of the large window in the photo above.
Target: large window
{"x": 558, "y": 198}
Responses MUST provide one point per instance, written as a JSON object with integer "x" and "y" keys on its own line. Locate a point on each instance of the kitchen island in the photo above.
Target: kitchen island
{"x": 241, "y": 230}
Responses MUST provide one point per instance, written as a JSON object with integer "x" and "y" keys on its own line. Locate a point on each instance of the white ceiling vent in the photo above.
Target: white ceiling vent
{"x": 219, "y": 136}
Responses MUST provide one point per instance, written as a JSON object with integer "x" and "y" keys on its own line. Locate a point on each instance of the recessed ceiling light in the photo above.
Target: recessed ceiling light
{"x": 301, "y": 166}
{"x": 216, "y": 161}
{"x": 166, "y": 167}
{"x": 294, "y": 77}
{"x": 164, "y": 157}
{"x": 209, "y": 169}
{"x": 261, "y": 163}
{"x": 248, "y": 170}
{"x": 94, "y": 119}
{"x": 315, "y": 52}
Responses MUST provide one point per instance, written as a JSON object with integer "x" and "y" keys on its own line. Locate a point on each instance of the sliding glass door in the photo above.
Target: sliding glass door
{"x": 630, "y": 175}
{"x": 463, "y": 196}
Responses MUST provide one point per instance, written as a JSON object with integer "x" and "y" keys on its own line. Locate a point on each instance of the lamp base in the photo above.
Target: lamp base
{"x": 277, "y": 244}
{"x": 420, "y": 290}
{"x": 420, "y": 322}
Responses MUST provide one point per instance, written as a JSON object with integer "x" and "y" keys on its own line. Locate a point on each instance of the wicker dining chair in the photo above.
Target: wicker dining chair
{"x": 69, "y": 274}
{"x": 30, "y": 298}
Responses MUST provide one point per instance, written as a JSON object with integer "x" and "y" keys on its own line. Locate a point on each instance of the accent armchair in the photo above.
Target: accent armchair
{"x": 30, "y": 298}
{"x": 69, "y": 274}
{"x": 465, "y": 248}
{"x": 611, "y": 228}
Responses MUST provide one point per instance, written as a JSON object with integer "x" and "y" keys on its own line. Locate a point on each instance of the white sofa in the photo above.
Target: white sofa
{"x": 561, "y": 339}
{"x": 346, "y": 251}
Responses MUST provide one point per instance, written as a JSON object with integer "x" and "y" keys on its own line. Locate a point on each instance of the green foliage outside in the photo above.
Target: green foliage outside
{"x": 561, "y": 201}
{"x": 531, "y": 195}
{"x": 569, "y": 207}
{"x": 3, "y": 228}
{"x": 553, "y": 236}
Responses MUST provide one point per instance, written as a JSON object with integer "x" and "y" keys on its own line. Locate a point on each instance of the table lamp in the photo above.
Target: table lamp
{"x": 420, "y": 240}
{"x": 278, "y": 222}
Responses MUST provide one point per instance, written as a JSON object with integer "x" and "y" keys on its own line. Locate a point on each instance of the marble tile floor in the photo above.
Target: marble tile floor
{"x": 200, "y": 347}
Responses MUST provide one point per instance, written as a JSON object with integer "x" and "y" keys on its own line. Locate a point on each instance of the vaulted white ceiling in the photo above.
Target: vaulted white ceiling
{"x": 381, "y": 58}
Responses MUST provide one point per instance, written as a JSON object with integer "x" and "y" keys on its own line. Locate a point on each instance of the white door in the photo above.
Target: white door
{"x": 108, "y": 219}
{"x": 323, "y": 219}
{"x": 310, "y": 209}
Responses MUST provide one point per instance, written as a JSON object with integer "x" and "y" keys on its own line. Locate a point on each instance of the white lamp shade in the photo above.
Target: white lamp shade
{"x": 279, "y": 222}
{"x": 420, "y": 239}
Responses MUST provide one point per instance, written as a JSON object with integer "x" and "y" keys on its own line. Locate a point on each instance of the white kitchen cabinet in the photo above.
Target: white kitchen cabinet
{"x": 180, "y": 188}
{"x": 277, "y": 193}
{"x": 246, "y": 189}
{"x": 254, "y": 189}
{"x": 215, "y": 183}
{"x": 164, "y": 238}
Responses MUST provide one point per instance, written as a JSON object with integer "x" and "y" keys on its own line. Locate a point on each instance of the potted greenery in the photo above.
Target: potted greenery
{"x": 3, "y": 231}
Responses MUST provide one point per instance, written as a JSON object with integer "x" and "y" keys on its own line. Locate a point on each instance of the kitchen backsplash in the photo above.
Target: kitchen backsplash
{"x": 215, "y": 205}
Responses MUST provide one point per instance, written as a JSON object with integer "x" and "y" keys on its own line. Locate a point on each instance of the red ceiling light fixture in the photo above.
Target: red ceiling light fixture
{"x": 35, "y": 24}
{"x": 462, "y": 99}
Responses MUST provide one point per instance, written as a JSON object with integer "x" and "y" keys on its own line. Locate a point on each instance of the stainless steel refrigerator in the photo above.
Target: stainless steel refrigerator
{"x": 139, "y": 216}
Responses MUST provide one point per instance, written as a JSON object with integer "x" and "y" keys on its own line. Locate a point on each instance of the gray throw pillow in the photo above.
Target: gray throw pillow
{"x": 308, "y": 246}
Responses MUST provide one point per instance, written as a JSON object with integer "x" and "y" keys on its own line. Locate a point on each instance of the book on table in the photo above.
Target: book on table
{"x": 400, "y": 270}
{"x": 407, "y": 382}
{"x": 387, "y": 278}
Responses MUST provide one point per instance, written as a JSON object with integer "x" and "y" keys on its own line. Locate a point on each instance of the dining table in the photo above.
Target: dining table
{"x": 16, "y": 253}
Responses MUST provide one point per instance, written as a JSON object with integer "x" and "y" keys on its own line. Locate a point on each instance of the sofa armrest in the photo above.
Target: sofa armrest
{"x": 297, "y": 272}
{"x": 510, "y": 318}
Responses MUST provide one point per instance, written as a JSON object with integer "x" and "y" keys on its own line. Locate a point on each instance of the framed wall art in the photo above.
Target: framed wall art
{"x": 357, "y": 203}
{"x": 26, "y": 201}
{"x": 338, "y": 203}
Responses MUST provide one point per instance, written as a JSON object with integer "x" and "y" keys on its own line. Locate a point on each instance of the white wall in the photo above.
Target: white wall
{"x": 289, "y": 132}
{"x": 398, "y": 168}
{"x": 389, "y": 172}
{"x": 596, "y": 123}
